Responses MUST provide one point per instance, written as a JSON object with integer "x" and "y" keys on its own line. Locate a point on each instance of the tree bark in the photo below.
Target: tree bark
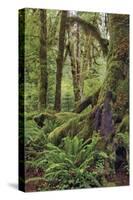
{"x": 86, "y": 61}
{"x": 113, "y": 98}
{"x": 79, "y": 95}
{"x": 60, "y": 61}
{"x": 75, "y": 74}
{"x": 73, "y": 69}
{"x": 43, "y": 76}
{"x": 73, "y": 49}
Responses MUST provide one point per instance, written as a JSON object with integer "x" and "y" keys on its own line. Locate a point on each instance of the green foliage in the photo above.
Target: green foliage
{"x": 71, "y": 164}
{"x": 122, "y": 135}
{"x": 31, "y": 132}
{"x": 68, "y": 128}
{"x": 49, "y": 126}
{"x": 122, "y": 138}
{"x": 63, "y": 117}
{"x": 37, "y": 138}
{"x": 124, "y": 125}
{"x": 66, "y": 149}
{"x": 94, "y": 73}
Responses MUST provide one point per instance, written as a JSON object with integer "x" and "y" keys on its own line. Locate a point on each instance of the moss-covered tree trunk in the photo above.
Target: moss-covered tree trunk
{"x": 86, "y": 61}
{"x": 75, "y": 69}
{"x": 43, "y": 80}
{"x": 110, "y": 104}
{"x": 60, "y": 61}
{"x": 113, "y": 98}
{"x": 74, "y": 54}
{"x": 78, "y": 87}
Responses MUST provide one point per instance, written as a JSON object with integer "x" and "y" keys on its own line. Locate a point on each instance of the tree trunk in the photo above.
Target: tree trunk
{"x": 73, "y": 48}
{"x": 78, "y": 89}
{"x": 60, "y": 61}
{"x": 113, "y": 98}
{"x": 111, "y": 102}
{"x": 75, "y": 71}
{"x": 43, "y": 81}
{"x": 86, "y": 61}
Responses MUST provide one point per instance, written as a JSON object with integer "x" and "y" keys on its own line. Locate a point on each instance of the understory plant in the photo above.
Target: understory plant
{"x": 74, "y": 164}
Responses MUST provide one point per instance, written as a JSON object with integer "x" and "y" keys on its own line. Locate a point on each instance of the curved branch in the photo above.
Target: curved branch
{"x": 91, "y": 100}
{"x": 91, "y": 29}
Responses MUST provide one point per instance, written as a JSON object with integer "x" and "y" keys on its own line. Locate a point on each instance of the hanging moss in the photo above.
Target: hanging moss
{"x": 91, "y": 29}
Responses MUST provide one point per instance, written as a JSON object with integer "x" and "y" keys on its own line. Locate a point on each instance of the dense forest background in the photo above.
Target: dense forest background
{"x": 76, "y": 109}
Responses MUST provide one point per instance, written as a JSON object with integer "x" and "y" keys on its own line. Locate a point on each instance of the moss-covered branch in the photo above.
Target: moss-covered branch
{"x": 91, "y": 100}
{"x": 91, "y": 29}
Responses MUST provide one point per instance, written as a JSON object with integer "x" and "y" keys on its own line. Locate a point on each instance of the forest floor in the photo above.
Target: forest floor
{"x": 120, "y": 179}
{"x": 37, "y": 160}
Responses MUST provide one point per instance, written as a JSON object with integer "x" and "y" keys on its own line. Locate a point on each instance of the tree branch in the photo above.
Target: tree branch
{"x": 91, "y": 100}
{"x": 91, "y": 29}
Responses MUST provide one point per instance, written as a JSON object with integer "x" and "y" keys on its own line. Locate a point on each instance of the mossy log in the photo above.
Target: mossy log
{"x": 91, "y": 100}
{"x": 72, "y": 127}
{"x": 60, "y": 118}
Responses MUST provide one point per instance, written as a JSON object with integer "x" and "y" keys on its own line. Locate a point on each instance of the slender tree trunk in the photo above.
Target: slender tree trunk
{"x": 60, "y": 61}
{"x": 78, "y": 89}
{"x": 74, "y": 54}
{"x": 74, "y": 72}
{"x": 43, "y": 81}
{"x": 86, "y": 61}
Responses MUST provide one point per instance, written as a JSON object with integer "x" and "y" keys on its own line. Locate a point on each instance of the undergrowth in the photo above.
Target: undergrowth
{"x": 75, "y": 164}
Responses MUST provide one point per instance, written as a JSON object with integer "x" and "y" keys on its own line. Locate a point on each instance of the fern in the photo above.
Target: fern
{"x": 70, "y": 164}
{"x": 74, "y": 164}
{"x": 123, "y": 138}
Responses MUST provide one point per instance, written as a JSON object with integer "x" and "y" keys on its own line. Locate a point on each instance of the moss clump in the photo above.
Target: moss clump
{"x": 124, "y": 125}
{"x": 71, "y": 128}
{"x": 59, "y": 118}
{"x": 122, "y": 139}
